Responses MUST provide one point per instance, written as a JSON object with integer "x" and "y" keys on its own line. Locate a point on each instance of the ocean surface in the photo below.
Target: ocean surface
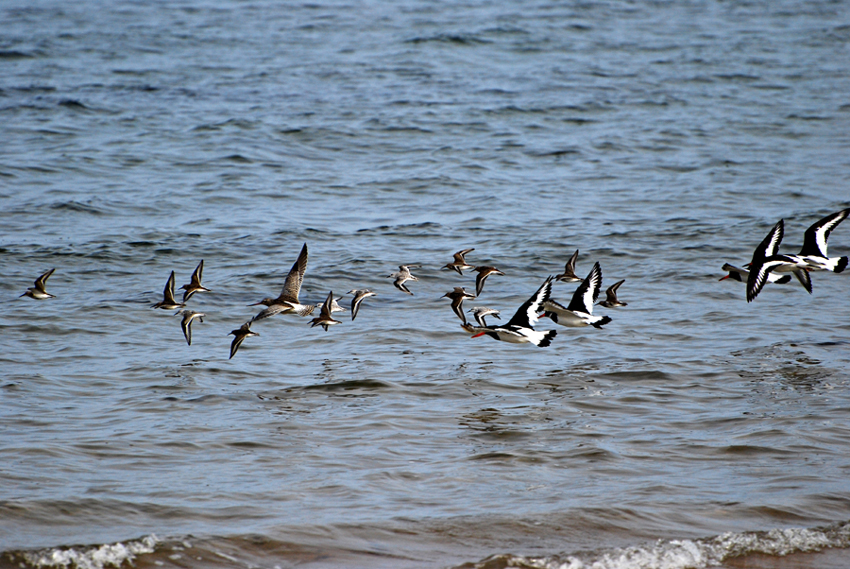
{"x": 660, "y": 139}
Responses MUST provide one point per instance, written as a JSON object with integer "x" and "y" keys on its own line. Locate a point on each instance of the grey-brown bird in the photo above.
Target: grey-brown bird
{"x": 611, "y": 300}
{"x": 168, "y": 302}
{"x": 359, "y": 296}
{"x": 483, "y": 273}
{"x": 37, "y": 290}
{"x": 195, "y": 285}
{"x": 459, "y": 264}
{"x": 402, "y": 276}
{"x": 479, "y": 312}
{"x": 324, "y": 319}
{"x": 288, "y": 302}
{"x": 569, "y": 275}
{"x": 239, "y": 336}
{"x": 458, "y": 295}
{"x": 186, "y": 324}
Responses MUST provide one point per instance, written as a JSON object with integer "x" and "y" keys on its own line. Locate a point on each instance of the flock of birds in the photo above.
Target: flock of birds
{"x": 765, "y": 267}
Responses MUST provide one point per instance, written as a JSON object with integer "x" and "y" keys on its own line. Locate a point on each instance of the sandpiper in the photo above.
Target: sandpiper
{"x": 168, "y": 302}
{"x": 359, "y": 296}
{"x": 37, "y": 291}
{"x": 402, "y": 276}
{"x": 483, "y": 273}
{"x": 239, "y": 336}
{"x": 611, "y": 300}
{"x": 287, "y": 302}
{"x": 335, "y": 306}
{"x": 458, "y": 295}
{"x": 195, "y": 285}
{"x": 325, "y": 319}
{"x": 459, "y": 264}
{"x": 480, "y": 312}
{"x": 186, "y": 323}
{"x": 519, "y": 329}
{"x": 569, "y": 274}
{"x": 580, "y": 311}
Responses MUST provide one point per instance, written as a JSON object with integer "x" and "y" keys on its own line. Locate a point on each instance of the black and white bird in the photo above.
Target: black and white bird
{"x": 579, "y": 313}
{"x": 740, "y": 275}
{"x": 766, "y": 260}
{"x": 815, "y": 244}
{"x": 37, "y": 291}
{"x": 520, "y": 328}
{"x": 359, "y": 296}
{"x": 569, "y": 274}
{"x": 458, "y": 295}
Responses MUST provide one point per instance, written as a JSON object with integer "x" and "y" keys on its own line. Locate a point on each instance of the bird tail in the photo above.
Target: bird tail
{"x": 547, "y": 338}
{"x": 605, "y": 320}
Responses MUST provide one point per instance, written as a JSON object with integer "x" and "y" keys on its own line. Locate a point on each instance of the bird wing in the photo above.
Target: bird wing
{"x": 770, "y": 244}
{"x": 292, "y": 285}
{"x": 587, "y": 292}
{"x": 528, "y": 313}
{"x": 816, "y": 236}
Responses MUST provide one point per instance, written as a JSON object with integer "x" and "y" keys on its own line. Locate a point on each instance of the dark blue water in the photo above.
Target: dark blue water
{"x": 659, "y": 140}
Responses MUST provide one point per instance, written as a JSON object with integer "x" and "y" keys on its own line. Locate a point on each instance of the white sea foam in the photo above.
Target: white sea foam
{"x": 697, "y": 554}
{"x": 95, "y": 557}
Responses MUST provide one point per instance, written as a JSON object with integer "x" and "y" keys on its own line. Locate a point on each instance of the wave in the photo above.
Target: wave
{"x": 253, "y": 549}
{"x": 83, "y": 557}
{"x": 686, "y": 553}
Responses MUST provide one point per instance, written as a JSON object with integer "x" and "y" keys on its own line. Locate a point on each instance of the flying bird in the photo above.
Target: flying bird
{"x": 569, "y": 274}
{"x": 168, "y": 302}
{"x": 359, "y": 296}
{"x": 288, "y": 302}
{"x": 520, "y": 328}
{"x": 402, "y": 276}
{"x": 325, "y": 319}
{"x": 195, "y": 285}
{"x": 459, "y": 264}
{"x": 37, "y": 291}
{"x": 580, "y": 311}
{"x": 458, "y": 295}
{"x": 611, "y": 300}
{"x": 186, "y": 324}
{"x": 480, "y": 312}
{"x": 483, "y": 273}
{"x": 239, "y": 336}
